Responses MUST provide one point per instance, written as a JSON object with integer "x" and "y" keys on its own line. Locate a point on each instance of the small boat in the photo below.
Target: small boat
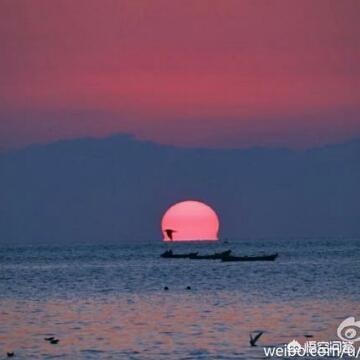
{"x": 170, "y": 255}
{"x": 250, "y": 258}
{"x": 215, "y": 256}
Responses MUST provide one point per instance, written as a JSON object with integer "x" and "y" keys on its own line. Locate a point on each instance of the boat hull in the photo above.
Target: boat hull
{"x": 249, "y": 258}
{"x": 216, "y": 256}
{"x": 177, "y": 256}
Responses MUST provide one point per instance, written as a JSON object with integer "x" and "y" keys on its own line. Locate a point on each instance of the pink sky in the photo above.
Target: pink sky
{"x": 185, "y": 72}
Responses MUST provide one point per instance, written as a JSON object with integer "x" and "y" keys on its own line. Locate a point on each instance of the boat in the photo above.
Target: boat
{"x": 170, "y": 255}
{"x": 215, "y": 256}
{"x": 250, "y": 258}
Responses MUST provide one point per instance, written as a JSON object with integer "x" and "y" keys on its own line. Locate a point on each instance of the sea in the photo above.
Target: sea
{"x": 109, "y": 301}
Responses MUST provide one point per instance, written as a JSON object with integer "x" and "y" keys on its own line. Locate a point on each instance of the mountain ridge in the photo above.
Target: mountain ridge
{"x": 94, "y": 190}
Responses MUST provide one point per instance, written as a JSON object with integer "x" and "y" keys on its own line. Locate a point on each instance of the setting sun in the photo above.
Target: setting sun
{"x": 190, "y": 221}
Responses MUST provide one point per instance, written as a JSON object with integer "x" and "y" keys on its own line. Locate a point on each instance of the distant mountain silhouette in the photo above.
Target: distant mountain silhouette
{"x": 115, "y": 189}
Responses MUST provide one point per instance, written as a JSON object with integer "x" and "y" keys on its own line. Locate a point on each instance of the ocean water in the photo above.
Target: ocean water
{"x": 108, "y": 302}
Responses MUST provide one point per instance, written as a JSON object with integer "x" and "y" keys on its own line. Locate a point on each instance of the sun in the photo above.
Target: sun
{"x": 190, "y": 221}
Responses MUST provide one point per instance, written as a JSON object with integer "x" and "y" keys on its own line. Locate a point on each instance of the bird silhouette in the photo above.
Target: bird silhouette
{"x": 54, "y": 341}
{"x": 10, "y": 354}
{"x": 49, "y": 338}
{"x": 169, "y": 233}
{"x": 254, "y": 339}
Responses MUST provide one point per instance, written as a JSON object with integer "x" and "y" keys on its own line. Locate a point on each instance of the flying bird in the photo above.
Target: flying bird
{"x": 254, "y": 339}
{"x": 10, "y": 354}
{"x": 169, "y": 233}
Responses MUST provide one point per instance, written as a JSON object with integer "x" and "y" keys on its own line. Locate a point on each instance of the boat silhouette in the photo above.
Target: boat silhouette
{"x": 250, "y": 258}
{"x": 170, "y": 255}
{"x": 224, "y": 256}
{"x": 214, "y": 256}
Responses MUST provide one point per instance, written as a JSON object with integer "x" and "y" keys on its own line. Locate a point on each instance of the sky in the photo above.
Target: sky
{"x": 181, "y": 72}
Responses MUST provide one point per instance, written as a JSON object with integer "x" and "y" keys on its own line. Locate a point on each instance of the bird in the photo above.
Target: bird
{"x": 54, "y": 341}
{"x": 166, "y": 288}
{"x": 49, "y": 338}
{"x": 254, "y": 339}
{"x": 169, "y": 233}
{"x": 10, "y": 354}
{"x": 188, "y": 288}
{"x": 308, "y": 336}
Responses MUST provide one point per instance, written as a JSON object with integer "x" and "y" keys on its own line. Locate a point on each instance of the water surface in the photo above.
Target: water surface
{"x": 108, "y": 302}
